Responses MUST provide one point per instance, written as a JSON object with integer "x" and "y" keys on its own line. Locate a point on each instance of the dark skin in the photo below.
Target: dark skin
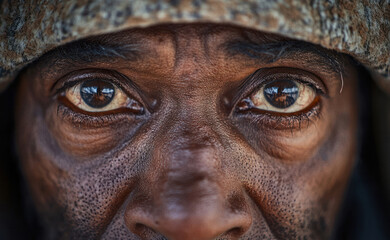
{"x": 182, "y": 151}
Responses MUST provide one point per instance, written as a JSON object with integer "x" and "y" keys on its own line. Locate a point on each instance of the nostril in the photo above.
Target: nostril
{"x": 190, "y": 228}
{"x": 208, "y": 220}
{"x": 200, "y": 214}
{"x": 233, "y": 233}
{"x": 139, "y": 227}
{"x": 144, "y": 231}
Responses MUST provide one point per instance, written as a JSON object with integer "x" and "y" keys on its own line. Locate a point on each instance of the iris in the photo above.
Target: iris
{"x": 281, "y": 93}
{"x": 97, "y": 93}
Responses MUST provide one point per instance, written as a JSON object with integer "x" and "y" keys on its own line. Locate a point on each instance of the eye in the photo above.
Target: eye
{"x": 98, "y": 95}
{"x": 281, "y": 96}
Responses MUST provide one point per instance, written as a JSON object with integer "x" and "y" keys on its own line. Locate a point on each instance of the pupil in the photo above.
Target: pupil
{"x": 281, "y": 93}
{"x": 97, "y": 93}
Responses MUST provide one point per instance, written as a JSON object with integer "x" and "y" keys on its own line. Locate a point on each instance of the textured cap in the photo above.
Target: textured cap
{"x": 360, "y": 28}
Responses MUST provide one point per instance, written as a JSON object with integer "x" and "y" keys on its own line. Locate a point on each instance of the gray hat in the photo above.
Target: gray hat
{"x": 360, "y": 28}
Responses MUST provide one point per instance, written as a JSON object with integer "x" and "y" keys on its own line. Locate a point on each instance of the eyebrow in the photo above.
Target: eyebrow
{"x": 92, "y": 51}
{"x": 271, "y": 52}
{"x": 89, "y": 51}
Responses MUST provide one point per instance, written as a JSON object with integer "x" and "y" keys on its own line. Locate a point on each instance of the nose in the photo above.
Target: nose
{"x": 191, "y": 200}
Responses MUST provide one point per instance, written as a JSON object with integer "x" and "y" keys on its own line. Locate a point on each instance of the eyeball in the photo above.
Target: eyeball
{"x": 99, "y": 95}
{"x": 283, "y": 96}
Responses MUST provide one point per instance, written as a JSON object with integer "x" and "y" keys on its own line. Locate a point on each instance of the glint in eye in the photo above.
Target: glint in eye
{"x": 98, "y": 95}
{"x": 281, "y": 96}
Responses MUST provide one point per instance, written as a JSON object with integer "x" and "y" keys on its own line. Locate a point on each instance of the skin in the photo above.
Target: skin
{"x": 191, "y": 166}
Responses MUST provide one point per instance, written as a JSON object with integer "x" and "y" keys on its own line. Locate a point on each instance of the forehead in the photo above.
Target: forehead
{"x": 162, "y": 50}
{"x": 203, "y": 32}
{"x": 167, "y": 40}
{"x": 174, "y": 37}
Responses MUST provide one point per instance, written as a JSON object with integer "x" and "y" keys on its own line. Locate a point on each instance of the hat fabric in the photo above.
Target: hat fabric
{"x": 360, "y": 28}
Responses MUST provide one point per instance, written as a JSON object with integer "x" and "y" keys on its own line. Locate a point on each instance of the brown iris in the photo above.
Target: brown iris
{"x": 97, "y": 93}
{"x": 281, "y": 93}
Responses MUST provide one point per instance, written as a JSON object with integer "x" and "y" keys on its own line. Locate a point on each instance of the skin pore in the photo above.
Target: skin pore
{"x": 190, "y": 147}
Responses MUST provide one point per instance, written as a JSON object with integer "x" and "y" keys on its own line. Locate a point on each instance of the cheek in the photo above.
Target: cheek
{"x": 297, "y": 179}
{"x": 72, "y": 197}
{"x": 40, "y": 173}
{"x": 76, "y": 198}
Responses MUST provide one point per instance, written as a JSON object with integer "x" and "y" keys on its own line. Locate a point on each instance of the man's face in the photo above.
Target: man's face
{"x": 187, "y": 132}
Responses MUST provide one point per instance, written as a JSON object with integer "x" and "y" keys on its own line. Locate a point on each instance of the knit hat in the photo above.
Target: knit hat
{"x": 360, "y": 28}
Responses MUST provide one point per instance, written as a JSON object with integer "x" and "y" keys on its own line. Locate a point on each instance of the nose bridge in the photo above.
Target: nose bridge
{"x": 189, "y": 135}
{"x": 192, "y": 172}
{"x": 191, "y": 161}
{"x": 191, "y": 144}
{"x": 190, "y": 181}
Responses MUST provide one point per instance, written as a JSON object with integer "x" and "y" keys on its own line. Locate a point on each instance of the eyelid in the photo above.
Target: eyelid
{"x": 116, "y": 78}
{"x": 265, "y": 75}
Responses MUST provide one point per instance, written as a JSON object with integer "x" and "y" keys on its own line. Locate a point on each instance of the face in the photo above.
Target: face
{"x": 187, "y": 132}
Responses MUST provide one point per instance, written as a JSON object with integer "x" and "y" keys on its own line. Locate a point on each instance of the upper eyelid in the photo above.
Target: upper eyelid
{"x": 72, "y": 78}
{"x": 117, "y": 79}
{"x": 70, "y": 84}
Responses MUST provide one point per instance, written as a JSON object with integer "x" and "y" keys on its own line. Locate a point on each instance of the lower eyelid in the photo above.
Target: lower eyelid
{"x": 283, "y": 121}
{"x": 66, "y": 112}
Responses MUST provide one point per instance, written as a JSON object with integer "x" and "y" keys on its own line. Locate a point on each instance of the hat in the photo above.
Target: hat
{"x": 360, "y": 28}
